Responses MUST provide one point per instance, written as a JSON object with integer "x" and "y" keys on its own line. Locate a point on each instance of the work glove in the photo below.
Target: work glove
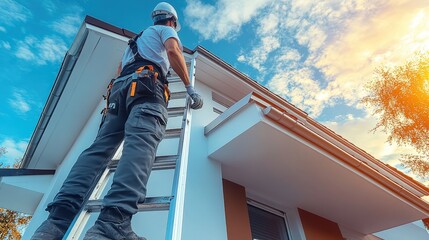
{"x": 196, "y": 98}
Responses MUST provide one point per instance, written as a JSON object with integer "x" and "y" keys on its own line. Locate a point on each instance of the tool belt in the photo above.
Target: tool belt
{"x": 133, "y": 66}
{"x": 145, "y": 86}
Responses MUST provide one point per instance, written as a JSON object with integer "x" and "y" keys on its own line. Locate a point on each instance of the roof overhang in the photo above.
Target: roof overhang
{"x": 86, "y": 70}
{"x": 281, "y": 160}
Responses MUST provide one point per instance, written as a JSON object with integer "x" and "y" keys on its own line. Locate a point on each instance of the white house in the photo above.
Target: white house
{"x": 248, "y": 165}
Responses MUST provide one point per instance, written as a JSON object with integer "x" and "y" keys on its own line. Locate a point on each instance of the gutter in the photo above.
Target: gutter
{"x": 60, "y": 83}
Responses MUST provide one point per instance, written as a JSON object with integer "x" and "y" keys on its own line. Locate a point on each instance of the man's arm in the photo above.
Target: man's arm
{"x": 177, "y": 62}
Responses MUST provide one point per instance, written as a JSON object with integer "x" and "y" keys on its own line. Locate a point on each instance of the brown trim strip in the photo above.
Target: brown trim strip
{"x": 109, "y": 27}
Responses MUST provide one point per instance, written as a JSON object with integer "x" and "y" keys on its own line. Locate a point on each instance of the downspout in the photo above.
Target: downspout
{"x": 61, "y": 81}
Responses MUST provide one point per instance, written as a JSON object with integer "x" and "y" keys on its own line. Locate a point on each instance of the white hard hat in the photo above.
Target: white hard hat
{"x": 165, "y": 11}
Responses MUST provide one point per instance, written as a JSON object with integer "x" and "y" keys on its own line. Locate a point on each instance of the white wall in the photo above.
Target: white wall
{"x": 23, "y": 193}
{"x": 204, "y": 213}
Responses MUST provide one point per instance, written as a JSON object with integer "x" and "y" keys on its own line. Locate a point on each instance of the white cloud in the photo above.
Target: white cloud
{"x": 25, "y": 53}
{"x": 48, "y": 49}
{"x": 12, "y": 12}
{"x": 260, "y": 54}
{"x": 68, "y": 25}
{"x": 49, "y": 6}
{"x": 289, "y": 55}
{"x": 19, "y": 103}
{"x": 300, "y": 88}
{"x": 14, "y": 151}
{"x": 51, "y": 49}
{"x": 224, "y": 20}
{"x": 333, "y": 46}
{"x": 5, "y": 45}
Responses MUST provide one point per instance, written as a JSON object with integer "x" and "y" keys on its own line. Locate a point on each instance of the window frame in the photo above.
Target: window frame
{"x": 273, "y": 211}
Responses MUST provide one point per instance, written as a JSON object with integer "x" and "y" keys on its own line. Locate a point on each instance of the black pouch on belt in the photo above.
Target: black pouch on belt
{"x": 143, "y": 84}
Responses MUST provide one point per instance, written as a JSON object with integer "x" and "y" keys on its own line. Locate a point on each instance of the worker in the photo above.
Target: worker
{"x": 137, "y": 114}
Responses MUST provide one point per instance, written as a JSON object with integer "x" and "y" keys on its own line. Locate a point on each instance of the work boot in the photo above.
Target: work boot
{"x": 56, "y": 225}
{"x": 112, "y": 224}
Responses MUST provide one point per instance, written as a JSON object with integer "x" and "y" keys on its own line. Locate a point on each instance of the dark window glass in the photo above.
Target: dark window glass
{"x": 266, "y": 225}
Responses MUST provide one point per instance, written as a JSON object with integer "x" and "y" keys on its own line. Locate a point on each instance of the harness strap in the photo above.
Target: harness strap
{"x": 106, "y": 97}
{"x": 133, "y": 45}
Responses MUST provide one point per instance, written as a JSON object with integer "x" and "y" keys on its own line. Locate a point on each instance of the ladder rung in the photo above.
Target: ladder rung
{"x": 161, "y": 163}
{"x": 176, "y": 111}
{"x": 174, "y": 132}
{"x": 174, "y": 79}
{"x": 150, "y": 204}
{"x": 178, "y": 95}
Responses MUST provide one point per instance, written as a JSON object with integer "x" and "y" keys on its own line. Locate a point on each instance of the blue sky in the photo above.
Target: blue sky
{"x": 316, "y": 54}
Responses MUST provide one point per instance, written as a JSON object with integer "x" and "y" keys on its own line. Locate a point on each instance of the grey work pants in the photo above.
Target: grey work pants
{"x": 141, "y": 124}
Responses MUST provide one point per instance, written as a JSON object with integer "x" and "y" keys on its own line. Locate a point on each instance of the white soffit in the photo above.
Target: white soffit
{"x": 277, "y": 165}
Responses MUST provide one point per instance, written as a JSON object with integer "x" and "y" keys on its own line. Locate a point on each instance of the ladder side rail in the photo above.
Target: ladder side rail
{"x": 175, "y": 215}
{"x": 79, "y": 222}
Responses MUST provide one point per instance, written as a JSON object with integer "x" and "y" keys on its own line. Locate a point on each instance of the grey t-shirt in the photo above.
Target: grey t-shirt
{"x": 151, "y": 46}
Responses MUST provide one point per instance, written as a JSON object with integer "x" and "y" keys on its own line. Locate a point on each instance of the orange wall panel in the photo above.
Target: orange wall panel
{"x": 236, "y": 212}
{"x": 319, "y": 228}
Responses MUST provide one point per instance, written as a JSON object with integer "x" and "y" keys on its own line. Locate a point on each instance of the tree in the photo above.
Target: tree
{"x": 11, "y": 223}
{"x": 400, "y": 98}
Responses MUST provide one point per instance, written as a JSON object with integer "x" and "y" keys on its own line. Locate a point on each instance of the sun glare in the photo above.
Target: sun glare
{"x": 418, "y": 38}
{"x": 426, "y": 86}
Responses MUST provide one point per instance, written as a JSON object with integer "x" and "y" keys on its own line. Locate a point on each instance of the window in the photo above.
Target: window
{"x": 220, "y": 103}
{"x": 266, "y": 225}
